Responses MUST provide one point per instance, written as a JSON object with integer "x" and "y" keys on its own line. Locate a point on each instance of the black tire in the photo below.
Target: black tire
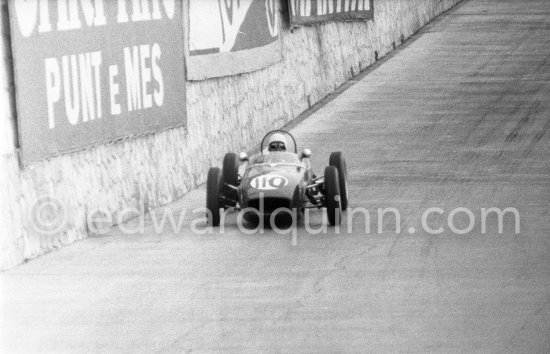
{"x": 332, "y": 196}
{"x": 231, "y": 168}
{"x": 230, "y": 173}
{"x": 214, "y": 185}
{"x": 337, "y": 160}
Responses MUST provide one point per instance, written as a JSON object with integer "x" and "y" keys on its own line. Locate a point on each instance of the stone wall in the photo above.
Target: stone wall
{"x": 223, "y": 114}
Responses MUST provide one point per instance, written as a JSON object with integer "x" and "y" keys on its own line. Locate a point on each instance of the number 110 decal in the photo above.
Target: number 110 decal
{"x": 268, "y": 182}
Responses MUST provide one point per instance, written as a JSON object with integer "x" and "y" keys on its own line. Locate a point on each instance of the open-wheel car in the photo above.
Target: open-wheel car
{"x": 276, "y": 177}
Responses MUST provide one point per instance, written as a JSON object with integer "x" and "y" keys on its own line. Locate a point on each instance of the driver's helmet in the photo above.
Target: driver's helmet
{"x": 277, "y": 142}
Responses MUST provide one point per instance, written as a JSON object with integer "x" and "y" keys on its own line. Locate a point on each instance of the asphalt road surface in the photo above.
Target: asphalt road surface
{"x": 456, "y": 118}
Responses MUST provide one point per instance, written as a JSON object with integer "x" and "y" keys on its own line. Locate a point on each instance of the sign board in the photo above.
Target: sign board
{"x": 92, "y": 71}
{"x": 229, "y": 37}
{"x": 310, "y": 12}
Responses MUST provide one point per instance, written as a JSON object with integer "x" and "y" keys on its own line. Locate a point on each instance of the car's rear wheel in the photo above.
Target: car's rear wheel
{"x": 214, "y": 187}
{"x": 332, "y": 202}
{"x": 230, "y": 173}
{"x": 337, "y": 160}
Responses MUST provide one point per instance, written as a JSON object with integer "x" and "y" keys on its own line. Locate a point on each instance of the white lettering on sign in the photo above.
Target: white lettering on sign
{"x": 269, "y": 182}
{"x": 141, "y": 64}
{"x": 78, "y": 77}
{"x": 74, "y": 14}
{"x": 141, "y": 11}
{"x": 131, "y": 66}
{"x": 76, "y": 81}
{"x": 68, "y": 15}
{"x": 158, "y": 93}
{"x": 53, "y": 87}
{"x": 68, "y": 18}
{"x": 327, "y": 7}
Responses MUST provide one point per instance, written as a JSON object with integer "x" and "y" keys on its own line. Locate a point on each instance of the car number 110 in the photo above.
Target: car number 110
{"x": 268, "y": 182}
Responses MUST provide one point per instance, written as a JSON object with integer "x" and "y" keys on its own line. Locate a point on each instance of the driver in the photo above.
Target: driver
{"x": 276, "y": 143}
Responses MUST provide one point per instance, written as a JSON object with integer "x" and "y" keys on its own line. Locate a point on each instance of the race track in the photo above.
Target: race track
{"x": 458, "y": 117}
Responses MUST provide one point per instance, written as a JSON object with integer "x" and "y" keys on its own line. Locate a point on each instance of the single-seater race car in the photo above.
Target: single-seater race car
{"x": 276, "y": 177}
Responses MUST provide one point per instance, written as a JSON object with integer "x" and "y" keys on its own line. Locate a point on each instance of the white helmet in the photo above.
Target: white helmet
{"x": 276, "y": 142}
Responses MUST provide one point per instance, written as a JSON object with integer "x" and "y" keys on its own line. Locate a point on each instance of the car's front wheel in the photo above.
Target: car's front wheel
{"x": 214, "y": 187}
{"x": 230, "y": 174}
{"x": 337, "y": 160}
{"x": 332, "y": 196}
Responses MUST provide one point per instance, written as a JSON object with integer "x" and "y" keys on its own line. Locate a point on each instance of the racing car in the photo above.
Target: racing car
{"x": 276, "y": 177}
